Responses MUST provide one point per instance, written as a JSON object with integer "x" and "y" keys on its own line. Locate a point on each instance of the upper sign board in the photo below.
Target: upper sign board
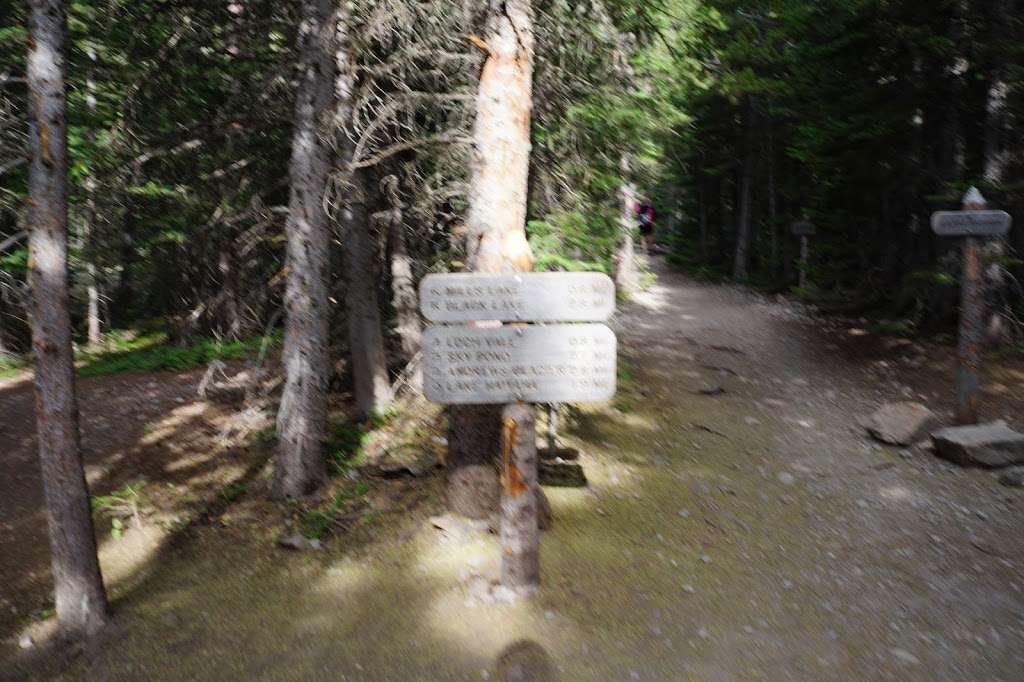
{"x": 549, "y": 364}
{"x": 971, "y": 223}
{"x": 522, "y": 297}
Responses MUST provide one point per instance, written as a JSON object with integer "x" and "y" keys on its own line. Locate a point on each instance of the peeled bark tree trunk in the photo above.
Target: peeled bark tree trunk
{"x": 496, "y": 228}
{"x": 302, "y": 418}
{"x": 361, "y": 254}
{"x": 78, "y": 585}
{"x": 625, "y": 262}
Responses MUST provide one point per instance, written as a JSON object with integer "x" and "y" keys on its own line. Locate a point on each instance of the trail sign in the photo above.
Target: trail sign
{"x": 971, "y": 223}
{"x": 490, "y": 365}
{"x": 521, "y": 297}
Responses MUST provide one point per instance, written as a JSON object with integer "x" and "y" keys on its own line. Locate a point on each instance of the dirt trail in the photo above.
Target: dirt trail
{"x": 751, "y": 534}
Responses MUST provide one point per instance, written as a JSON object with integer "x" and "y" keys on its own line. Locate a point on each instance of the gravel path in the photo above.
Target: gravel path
{"x": 884, "y": 563}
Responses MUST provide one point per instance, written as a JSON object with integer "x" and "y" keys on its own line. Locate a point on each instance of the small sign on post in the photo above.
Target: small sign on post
{"x": 518, "y": 365}
{"x": 533, "y": 364}
{"x": 523, "y": 297}
{"x": 805, "y": 230}
{"x": 972, "y": 223}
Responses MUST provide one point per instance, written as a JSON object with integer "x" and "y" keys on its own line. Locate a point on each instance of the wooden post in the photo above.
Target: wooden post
{"x": 520, "y": 537}
{"x": 552, "y": 428}
{"x": 968, "y": 382}
{"x": 805, "y": 257}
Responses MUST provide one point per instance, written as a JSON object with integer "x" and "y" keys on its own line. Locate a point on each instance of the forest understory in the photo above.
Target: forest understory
{"x": 755, "y": 533}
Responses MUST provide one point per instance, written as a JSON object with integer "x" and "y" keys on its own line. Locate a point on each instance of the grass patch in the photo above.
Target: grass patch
{"x": 151, "y": 352}
{"x": 11, "y": 365}
{"x": 232, "y": 491}
{"x": 121, "y": 505}
{"x": 347, "y": 447}
{"x": 315, "y": 524}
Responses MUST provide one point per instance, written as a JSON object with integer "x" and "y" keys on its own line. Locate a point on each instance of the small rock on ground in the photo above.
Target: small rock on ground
{"x": 901, "y": 423}
{"x": 1013, "y": 477}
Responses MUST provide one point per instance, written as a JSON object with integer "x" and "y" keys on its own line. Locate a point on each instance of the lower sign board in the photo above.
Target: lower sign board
{"x": 553, "y": 364}
{"x": 521, "y": 297}
{"x": 971, "y": 223}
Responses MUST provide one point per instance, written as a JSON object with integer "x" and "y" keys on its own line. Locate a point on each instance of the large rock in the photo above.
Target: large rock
{"x": 902, "y": 423}
{"x": 987, "y": 445}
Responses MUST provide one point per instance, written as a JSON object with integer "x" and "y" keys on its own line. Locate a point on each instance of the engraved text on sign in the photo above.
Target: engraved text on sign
{"x": 471, "y": 365}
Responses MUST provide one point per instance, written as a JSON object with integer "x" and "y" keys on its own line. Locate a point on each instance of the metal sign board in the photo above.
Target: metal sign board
{"x": 537, "y": 364}
{"x": 971, "y": 223}
{"x": 803, "y": 228}
{"x": 522, "y": 297}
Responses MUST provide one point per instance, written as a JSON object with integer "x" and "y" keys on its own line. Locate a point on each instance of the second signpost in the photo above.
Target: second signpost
{"x": 472, "y": 359}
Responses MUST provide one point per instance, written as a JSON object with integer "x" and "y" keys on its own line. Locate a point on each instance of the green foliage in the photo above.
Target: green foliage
{"x": 127, "y": 502}
{"x": 572, "y": 242}
{"x": 232, "y": 491}
{"x": 11, "y": 365}
{"x": 152, "y": 353}
{"x": 321, "y": 522}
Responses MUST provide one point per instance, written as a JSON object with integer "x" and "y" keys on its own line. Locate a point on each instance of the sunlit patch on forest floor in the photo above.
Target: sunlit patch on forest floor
{"x": 752, "y": 533}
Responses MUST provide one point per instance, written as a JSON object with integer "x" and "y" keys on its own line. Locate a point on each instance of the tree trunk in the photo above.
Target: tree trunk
{"x": 124, "y": 294}
{"x": 625, "y": 262}
{"x": 995, "y": 159}
{"x": 403, "y": 284}
{"x": 4, "y": 350}
{"x": 361, "y": 255}
{"x": 80, "y": 599}
{"x": 229, "y": 322}
{"x": 302, "y": 418}
{"x": 773, "y": 211}
{"x": 744, "y": 227}
{"x": 496, "y": 227}
{"x": 92, "y": 314}
{"x": 366, "y": 341}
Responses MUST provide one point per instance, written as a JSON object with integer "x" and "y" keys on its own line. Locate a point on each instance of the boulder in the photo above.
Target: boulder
{"x": 987, "y": 445}
{"x": 901, "y": 423}
{"x": 1013, "y": 477}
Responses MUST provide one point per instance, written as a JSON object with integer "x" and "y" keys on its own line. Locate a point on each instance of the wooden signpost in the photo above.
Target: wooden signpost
{"x": 805, "y": 230}
{"x": 972, "y": 224}
{"x": 522, "y": 297}
{"x": 518, "y": 365}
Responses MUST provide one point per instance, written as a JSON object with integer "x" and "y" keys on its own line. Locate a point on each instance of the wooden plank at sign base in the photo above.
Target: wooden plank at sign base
{"x": 551, "y": 364}
{"x": 971, "y": 223}
{"x": 522, "y": 297}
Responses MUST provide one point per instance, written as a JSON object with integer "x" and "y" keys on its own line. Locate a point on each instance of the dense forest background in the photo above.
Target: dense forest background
{"x": 736, "y": 118}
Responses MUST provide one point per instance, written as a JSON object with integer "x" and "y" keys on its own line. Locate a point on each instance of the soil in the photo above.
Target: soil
{"x": 746, "y": 532}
